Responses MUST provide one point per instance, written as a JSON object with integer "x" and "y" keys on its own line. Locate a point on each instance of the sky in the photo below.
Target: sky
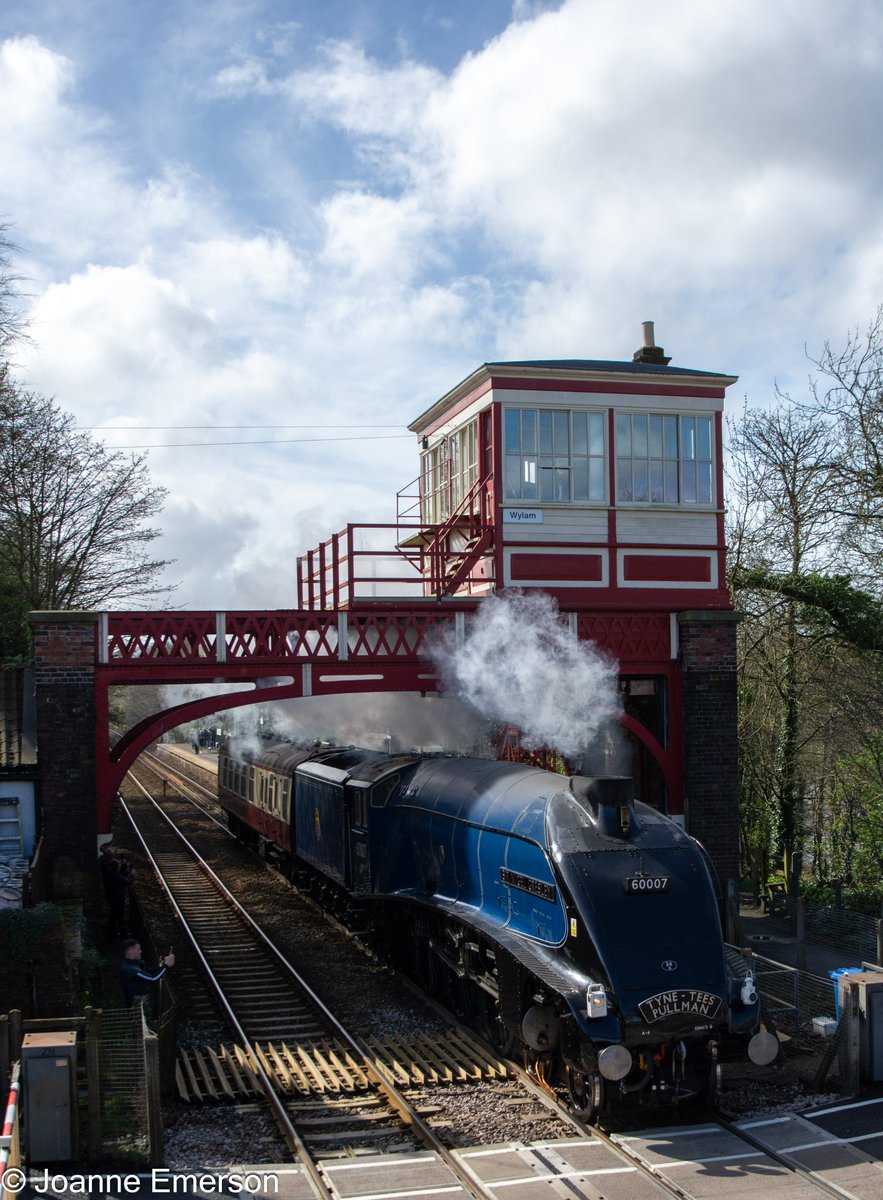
{"x": 259, "y": 238}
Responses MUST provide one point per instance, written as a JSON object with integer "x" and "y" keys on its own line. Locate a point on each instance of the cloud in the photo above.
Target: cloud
{"x": 376, "y": 235}
{"x": 118, "y": 324}
{"x": 242, "y": 79}
{"x": 59, "y": 173}
{"x": 264, "y": 235}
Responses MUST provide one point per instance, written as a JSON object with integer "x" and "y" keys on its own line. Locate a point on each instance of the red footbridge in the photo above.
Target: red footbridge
{"x": 284, "y": 655}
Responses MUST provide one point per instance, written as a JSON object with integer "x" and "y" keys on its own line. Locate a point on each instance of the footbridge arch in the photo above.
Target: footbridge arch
{"x": 379, "y": 647}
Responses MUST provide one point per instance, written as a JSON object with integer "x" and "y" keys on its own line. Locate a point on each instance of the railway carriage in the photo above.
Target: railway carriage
{"x": 555, "y": 913}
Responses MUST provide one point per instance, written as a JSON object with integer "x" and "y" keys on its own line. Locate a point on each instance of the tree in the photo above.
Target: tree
{"x": 12, "y": 323}
{"x": 74, "y": 517}
{"x": 848, "y": 394}
{"x": 806, "y": 535}
{"x": 781, "y": 475}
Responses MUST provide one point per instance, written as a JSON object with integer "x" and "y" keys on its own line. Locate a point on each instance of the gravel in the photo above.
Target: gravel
{"x": 375, "y": 1002}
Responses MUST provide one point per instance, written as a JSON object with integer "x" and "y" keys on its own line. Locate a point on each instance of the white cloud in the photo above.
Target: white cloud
{"x": 117, "y": 325}
{"x": 242, "y": 79}
{"x": 363, "y": 96}
{"x": 345, "y": 242}
{"x": 377, "y": 236}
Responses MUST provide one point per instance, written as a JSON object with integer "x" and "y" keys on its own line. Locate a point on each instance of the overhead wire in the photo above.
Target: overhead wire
{"x": 361, "y": 437}
{"x": 263, "y": 442}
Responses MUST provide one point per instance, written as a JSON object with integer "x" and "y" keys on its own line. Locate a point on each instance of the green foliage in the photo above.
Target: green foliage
{"x": 866, "y": 898}
{"x": 828, "y": 602}
{"x": 22, "y": 930}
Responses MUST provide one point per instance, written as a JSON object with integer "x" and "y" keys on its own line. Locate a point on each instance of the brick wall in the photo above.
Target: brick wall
{"x": 64, "y": 676}
{"x": 711, "y": 746}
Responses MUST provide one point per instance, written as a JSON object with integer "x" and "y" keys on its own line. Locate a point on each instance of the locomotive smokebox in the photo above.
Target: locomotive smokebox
{"x": 609, "y": 801}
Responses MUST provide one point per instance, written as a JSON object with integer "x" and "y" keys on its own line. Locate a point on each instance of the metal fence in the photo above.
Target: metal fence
{"x": 126, "y": 1059}
{"x": 791, "y": 997}
{"x": 124, "y": 1062}
{"x": 854, "y": 933}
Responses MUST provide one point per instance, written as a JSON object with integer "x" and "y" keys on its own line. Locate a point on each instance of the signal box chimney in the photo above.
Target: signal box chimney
{"x": 650, "y": 352}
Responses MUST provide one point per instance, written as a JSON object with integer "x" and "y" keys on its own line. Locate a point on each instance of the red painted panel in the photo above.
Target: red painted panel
{"x": 557, "y": 566}
{"x": 666, "y": 568}
{"x": 631, "y": 637}
{"x": 613, "y": 388}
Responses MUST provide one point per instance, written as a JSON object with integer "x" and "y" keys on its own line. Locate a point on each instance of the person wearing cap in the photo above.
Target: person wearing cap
{"x": 136, "y": 979}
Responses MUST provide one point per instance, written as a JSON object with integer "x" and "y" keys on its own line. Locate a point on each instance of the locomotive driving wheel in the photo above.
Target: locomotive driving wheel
{"x": 586, "y": 1093}
{"x": 496, "y": 1030}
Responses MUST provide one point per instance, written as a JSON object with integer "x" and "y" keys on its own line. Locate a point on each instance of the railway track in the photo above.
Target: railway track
{"x": 339, "y": 1114}
{"x": 276, "y": 1015}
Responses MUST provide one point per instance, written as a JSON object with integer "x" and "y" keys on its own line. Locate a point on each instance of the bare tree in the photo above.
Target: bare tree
{"x": 848, "y": 394}
{"x": 806, "y": 529}
{"x": 781, "y": 475}
{"x": 13, "y": 323}
{"x": 74, "y": 516}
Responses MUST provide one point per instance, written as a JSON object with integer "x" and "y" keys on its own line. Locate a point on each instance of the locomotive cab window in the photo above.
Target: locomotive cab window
{"x": 382, "y": 792}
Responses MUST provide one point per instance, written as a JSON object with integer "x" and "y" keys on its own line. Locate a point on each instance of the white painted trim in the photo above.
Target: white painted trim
{"x": 620, "y": 401}
{"x": 220, "y": 637}
{"x": 675, "y": 634}
{"x": 667, "y": 585}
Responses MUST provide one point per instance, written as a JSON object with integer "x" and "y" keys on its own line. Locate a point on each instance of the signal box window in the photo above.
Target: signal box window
{"x": 554, "y": 455}
{"x": 663, "y": 459}
{"x": 449, "y": 471}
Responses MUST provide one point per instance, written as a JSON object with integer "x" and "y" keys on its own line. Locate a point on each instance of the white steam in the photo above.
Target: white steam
{"x": 520, "y": 664}
{"x": 380, "y": 721}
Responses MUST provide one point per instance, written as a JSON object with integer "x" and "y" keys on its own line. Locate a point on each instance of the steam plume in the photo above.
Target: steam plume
{"x": 520, "y": 664}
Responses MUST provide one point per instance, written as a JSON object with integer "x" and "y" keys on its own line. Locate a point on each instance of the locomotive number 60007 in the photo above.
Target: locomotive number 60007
{"x": 647, "y": 883}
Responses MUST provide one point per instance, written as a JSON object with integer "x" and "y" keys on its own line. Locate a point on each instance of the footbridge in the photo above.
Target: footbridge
{"x": 261, "y": 657}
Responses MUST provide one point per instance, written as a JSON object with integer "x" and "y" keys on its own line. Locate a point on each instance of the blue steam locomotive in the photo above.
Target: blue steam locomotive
{"x": 552, "y": 912}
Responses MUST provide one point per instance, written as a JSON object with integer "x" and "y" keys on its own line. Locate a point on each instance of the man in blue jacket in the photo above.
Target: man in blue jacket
{"x": 135, "y": 977}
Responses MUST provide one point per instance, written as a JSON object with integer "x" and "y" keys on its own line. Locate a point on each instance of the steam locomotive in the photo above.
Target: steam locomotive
{"x": 558, "y": 914}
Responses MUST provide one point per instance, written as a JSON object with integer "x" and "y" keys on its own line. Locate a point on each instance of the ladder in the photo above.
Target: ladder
{"x": 12, "y": 843}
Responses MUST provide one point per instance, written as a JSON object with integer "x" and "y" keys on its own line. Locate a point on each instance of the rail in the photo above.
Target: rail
{"x": 183, "y": 890}
{"x": 346, "y": 569}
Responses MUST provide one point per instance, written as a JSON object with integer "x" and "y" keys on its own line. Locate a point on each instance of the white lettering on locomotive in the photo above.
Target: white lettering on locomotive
{"x": 678, "y": 1002}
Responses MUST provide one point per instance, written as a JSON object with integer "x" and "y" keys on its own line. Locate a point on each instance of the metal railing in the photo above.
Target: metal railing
{"x": 10, "y": 1139}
